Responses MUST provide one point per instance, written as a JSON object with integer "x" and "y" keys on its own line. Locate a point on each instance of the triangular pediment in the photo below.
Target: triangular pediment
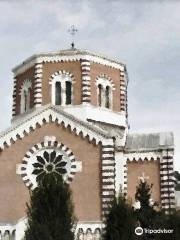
{"x": 49, "y": 113}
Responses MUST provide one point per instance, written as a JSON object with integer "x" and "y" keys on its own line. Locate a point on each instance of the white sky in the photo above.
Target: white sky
{"x": 143, "y": 34}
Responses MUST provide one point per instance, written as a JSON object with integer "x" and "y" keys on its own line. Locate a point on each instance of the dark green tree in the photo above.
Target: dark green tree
{"x": 147, "y": 214}
{"x": 177, "y": 179}
{"x": 50, "y": 211}
{"x": 120, "y": 222}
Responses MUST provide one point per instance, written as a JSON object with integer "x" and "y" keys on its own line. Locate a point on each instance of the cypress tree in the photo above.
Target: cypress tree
{"x": 146, "y": 215}
{"x": 120, "y": 222}
{"x": 50, "y": 211}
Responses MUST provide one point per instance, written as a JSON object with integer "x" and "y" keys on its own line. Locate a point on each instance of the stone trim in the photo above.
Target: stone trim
{"x": 14, "y": 97}
{"x": 63, "y": 72}
{"x": 86, "y": 81}
{"x": 167, "y": 181}
{"x": 123, "y": 93}
{"x": 108, "y": 176}
{"x": 102, "y": 75}
{"x": 65, "y": 57}
{"x": 47, "y": 143}
{"x": 48, "y": 114}
{"x": 167, "y": 187}
{"x": 38, "y": 84}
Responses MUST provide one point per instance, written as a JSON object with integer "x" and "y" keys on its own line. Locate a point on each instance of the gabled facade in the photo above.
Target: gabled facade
{"x": 71, "y": 106}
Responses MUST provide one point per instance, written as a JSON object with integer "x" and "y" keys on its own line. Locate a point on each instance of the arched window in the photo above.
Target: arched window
{"x": 58, "y": 93}
{"x": 25, "y": 101}
{"x": 68, "y": 92}
{"x": 13, "y": 237}
{"x": 62, "y": 89}
{"x": 25, "y": 95}
{"x": 104, "y": 91}
{"x": 6, "y": 235}
{"x": 107, "y": 97}
{"x": 99, "y": 95}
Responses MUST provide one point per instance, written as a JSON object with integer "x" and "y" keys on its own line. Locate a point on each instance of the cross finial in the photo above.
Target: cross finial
{"x": 143, "y": 178}
{"x": 72, "y": 30}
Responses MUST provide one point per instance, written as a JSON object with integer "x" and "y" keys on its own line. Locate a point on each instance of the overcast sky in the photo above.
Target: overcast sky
{"x": 143, "y": 34}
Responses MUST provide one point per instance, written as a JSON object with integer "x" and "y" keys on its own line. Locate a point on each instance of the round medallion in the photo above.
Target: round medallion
{"x": 49, "y": 157}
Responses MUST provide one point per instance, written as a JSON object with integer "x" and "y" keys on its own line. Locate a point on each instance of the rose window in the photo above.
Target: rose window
{"x": 45, "y": 158}
{"x": 50, "y": 162}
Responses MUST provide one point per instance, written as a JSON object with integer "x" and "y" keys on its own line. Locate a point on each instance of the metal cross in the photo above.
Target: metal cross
{"x": 143, "y": 178}
{"x": 72, "y": 30}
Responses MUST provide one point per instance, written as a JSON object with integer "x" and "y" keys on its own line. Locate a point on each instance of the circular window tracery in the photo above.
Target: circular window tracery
{"x": 45, "y": 158}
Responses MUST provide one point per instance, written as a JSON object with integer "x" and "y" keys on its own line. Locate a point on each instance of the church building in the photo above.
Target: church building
{"x": 72, "y": 105}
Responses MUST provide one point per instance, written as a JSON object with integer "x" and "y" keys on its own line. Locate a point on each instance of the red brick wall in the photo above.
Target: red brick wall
{"x": 85, "y": 186}
{"x": 114, "y": 74}
{"x": 150, "y": 169}
{"x": 28, "y": 74}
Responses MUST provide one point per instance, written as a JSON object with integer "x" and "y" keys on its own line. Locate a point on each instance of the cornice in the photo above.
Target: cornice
{"x": 67, "y": 55}
{"x": 48, "y": 114}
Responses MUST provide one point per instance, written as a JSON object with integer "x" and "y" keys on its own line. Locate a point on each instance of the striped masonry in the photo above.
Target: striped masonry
{"x": 167, "y": 181}
{"x": 123, "y": 93}
{"x": 14, "y": 97}
{"x": 86, "y": 84}
{"x": 108, "y": 177}
{"x": 38, "y": 85}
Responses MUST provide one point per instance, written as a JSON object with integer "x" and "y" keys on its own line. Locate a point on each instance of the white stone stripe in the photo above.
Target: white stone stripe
{"x": 85, "y": 63}
{"x": 106, "y": 180}
{"x": 111, "y": 187}
{"x": 38, "y": 84}
{"x": 88, "y": 78}
{"x": 108, "y": 148}
{"x": 107, "y": 174}
{"x": 39, "y": 70}
{"x": 108, "y": 161}
{"x": 170, "y": 189}
{"x": 108, "y": 167}
{"x": 88, "y": 88}
{"x": 38, "y": 75}
{"x": 168, "y": 201}
{"x": 107, "y": 193}
{"x": 167, "y": 177}
{"x": 168, "y": 205}
{"x": 107, "y": 199}
{"x": 39, "y": 94}
{"x": 166, "y": 166}
{"x": 86, "y": 98}
{"x": 165, "y": 171}
{"x": 37, "y": 101}
{"x": 172, "y": 194}
{"x": 85, "y": 67}
{"x": 107, "y": 155}
{"x": 39, "y": 90}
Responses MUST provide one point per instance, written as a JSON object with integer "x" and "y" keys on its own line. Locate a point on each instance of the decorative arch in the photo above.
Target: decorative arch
{"x": 57, "y": 154}
{"x": 25, "y": 95}
{"x": 107, "y": 78}
{"x": 62, "y": 88}
{"x": 105, "y": 86}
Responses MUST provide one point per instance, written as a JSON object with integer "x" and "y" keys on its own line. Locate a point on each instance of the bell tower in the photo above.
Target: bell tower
{"x": 86, "y": 85}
